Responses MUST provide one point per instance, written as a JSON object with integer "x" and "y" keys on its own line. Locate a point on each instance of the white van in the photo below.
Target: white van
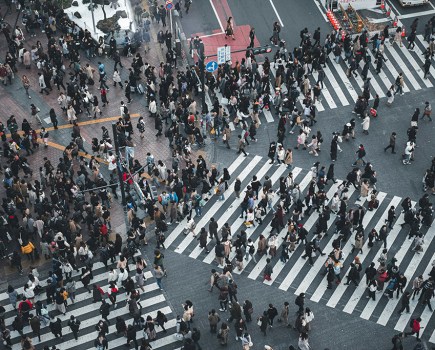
{"x": 407, "y": 3}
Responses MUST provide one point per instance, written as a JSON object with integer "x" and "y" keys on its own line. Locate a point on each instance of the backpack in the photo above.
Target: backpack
{"x": 251, "y": 249}
{"x": 193, "y": 225}
{"x": 389, "y": 93}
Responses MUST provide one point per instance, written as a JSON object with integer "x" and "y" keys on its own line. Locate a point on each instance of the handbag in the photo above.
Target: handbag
{"x": 212, "y": 131}
{"x": 259, "y": 322}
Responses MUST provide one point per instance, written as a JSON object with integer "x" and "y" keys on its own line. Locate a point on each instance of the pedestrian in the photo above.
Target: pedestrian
{"x": 268, "y": 270}
{"x": 56, "y": 327}
{"x": 392, "y": 143}
{"x": 105, "y": 310}
{"x": 213, "y": 319}
{"x": 400, "y": 83}
{"x": 101, "y": 342}
{"x": 42, "y": 85}
{"x": 300, "y": 302}
{"x": 223, "y": 334}
{"x": 35, "y": 324}
{"x": 103, "y": 94}
{"x": 242, "y": 145}
{"x": 229, "y": 30}
{"x": 26, "y": 85}
{"x": 196, "y": 336}
{"x": 263, "y": 322}
{"x": 415, "y": 327}
{"x": 427, "y": 111}
{"x": 390, "y": 95}
{"x": 246, "y": 341}
{"x": 272, "y": 312}
{"x": 303, "y": 342}
{"x": 158, "y": 274}
{"x": 44, "y": 136}
{"x": 74, "y": 325}
{"x": 366, "y": 124}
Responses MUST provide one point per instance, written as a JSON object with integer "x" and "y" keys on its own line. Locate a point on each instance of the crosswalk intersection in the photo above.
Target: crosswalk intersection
{"x": 296, "y": 275}
{"x": 152, "y": 299}
{"x": 340, "y": 90}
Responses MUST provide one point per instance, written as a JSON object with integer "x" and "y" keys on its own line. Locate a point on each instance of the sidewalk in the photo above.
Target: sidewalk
{"x": 15, "y": 101}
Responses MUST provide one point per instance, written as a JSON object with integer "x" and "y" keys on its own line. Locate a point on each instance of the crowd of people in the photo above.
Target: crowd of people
{"x": 63, "y": 214}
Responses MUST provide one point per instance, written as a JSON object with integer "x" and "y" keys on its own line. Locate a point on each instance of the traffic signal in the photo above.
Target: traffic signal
{"x": 261, "y": 50}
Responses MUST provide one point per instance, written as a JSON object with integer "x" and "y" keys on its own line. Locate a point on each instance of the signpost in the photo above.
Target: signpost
{"x": 169, "y": 7}
{"x": 211, "y": 66}
{"x": 223, "y": 54}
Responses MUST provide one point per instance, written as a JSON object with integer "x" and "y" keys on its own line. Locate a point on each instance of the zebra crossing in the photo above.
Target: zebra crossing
{"x": 340, "y": 90}
{"x": 152, "y": 299}
{"x": 296, "y": 274}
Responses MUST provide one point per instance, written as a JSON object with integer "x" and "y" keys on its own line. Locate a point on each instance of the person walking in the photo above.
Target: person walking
{"x": 34, "y": 111}
{"x": 56, "y": 327}
{"x": 35, "y": 324}
{"x": 26, "y": 85}
{"x": 427, "y": 111}
{"x": 366, "y": 124}
{"x": 415, "y": 327}
{"x": 74, "y": 325}
{"x": 392, "y": 143}
{"x": 263, "y": 322}
{"x": 242, "y": 145}
{"x": 405, "y": 303}
{"x": 400, "y": 83}
{"x": 42, "y": 85}
{"x": 213, "y": 320}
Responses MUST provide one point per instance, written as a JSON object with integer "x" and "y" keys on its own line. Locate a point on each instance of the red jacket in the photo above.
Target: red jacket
{"x": 416, "y": 326}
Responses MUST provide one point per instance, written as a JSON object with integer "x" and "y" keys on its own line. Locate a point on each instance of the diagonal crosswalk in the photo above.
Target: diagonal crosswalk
{"x": 296, "y": 274}
{"x": 152, "y": 299}
{"x": 340, "y": 90}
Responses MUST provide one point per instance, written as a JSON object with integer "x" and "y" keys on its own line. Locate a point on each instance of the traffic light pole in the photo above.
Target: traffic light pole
{"x": 120, "y": 179}
{"x": 201, "y": 64}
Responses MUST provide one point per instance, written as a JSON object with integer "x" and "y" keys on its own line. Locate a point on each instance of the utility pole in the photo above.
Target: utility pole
{"x": 119, "y": 170}
{"x": 92, "y": 13}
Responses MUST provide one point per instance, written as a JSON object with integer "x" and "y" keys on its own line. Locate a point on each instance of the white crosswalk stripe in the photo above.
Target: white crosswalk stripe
{"x": 296, "y": 274}
{"x": 399, "y": 59}
{"x": 152, "y": 300}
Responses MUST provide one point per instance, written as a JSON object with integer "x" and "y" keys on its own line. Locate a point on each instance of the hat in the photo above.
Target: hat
{"x": 348, "y": 124}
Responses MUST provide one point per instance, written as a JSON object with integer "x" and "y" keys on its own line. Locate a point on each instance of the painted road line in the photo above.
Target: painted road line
{"x": 259, "y": 267}
{"x": 404, "y": 319}
{"x": 300, "y": 262}
{"x": 419, "y": 53}
{"x": 276, "y": 13}
{"x": 239, "y": 221}
{"x": 410, "y": 271}
{"x": 180, "y": 227}
{"x": 275, "y": 199}
{"x": 377, "y": 89}
{"x": 335, "y": 86}
{"x": 341, "y": 288}
{"x": 321, "y": 289}
{"x": 370, "y": 307}
{"x": 418, "y": 68}
{"x": 87, "y": 122}
{"x": 318, "y": 264}
{"x": 217, "y": 16}
{"x": 235, "y": 206}
{"x": 342, "y": 74}
{"x": 407, "y": 75}
{"x": 361, "y": 289}
{"x": 216, "y": 206}
{"x": 325, "y": 92}
{"x": 252, "y": 230}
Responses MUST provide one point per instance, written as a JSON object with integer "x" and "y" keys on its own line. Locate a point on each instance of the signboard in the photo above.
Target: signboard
{"x": 211, "y": 66}
{"x": 169, "y": 5}
{"x": 223, "y": 54}
{"x": 358, "y": 4}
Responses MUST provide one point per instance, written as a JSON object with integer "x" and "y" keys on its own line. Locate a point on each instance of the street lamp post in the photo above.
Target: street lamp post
{"x": 118, "y": 168}
{"x": 92, "y": 13}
